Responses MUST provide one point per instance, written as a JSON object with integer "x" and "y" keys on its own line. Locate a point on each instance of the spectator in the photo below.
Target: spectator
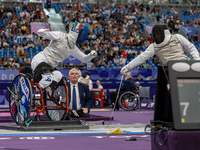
{"x": 22, "y": 13}
{"x": 2, "y": 61}
{"x": 20, "y": 51}
{"x": 164, "y": 18}
{"x": 155, "y": 60}
{"x": 24, "y": 44}
{"x": 150, "y": 67}
{"x": 116, "y": 48}
{"x": 14, "y": 46}
{"x": 147, "y": 9}
{"x": 14, "y": 16}
{"x": 141, "y": 67}
{"x": 139, "y": 77}
{"x": 116, "y": 60}
{"x": 8, "y": 64}
{"x": 37, "y": 41}
{"x": 139, "y": 51}
{"x": 79, "y": 71}
{"x": 93, "y": 67}
{"x": 15, "y": 63}
{"x": 17, "y": 7}
{"x": 99, "y": 86}
{"x": 150, "y": 39}
{"x": 48, "y": 5}
{"x": 10, "y": 58}
{"x": 171, "y": 25}
{"x": 4, "y": 43}
{"x": 129, "y": 52}
{"x": 42, "y": 42}
{"x": 150, "y": 78}
{"x": 23, "y": 29}
{"x": 157, "y": 15}
{"x": 122, "y": 60}
{"x": 27, "y": 58}
{"x": 137, "y": 86}
{"x": 110, "y": 56}
{"x": 106, "y": 62}
{"x": 146, "y": 43}
{"x": 30, "y": 45}
{"x": 125, "y": 55}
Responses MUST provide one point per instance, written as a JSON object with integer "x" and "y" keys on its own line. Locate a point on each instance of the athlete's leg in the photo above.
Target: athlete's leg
{"x": 57, "y": 76}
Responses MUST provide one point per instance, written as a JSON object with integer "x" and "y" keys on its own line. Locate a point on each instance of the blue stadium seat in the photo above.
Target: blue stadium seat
{"x": 107, "y": 67}
{"x": 14, "y": 53}
{"x": 37, "y": 50}
{"x": 102, "y": 68}
{"x": 13, "y": 38}
{"x": 137, "y": 48}
{"x": 7, "y": 52}
{"x": 143, "y": 48}
{"x": 19, "y": 59}
{"x": 132, "y": 47}
{"x": 87, "y": 41}
{"x": 17, "y": 12}
{"x": 19, "y": 40}
{"x": 112, "y": 65}
{"x": 1, "y": 67}
{"x": 41, "y": 48}
{"x": 4, "y": 21}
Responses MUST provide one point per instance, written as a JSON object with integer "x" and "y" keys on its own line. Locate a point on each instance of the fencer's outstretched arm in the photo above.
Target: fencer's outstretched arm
{"x": 189, "y": 46}
{"x": 149, "y": 52}
{"x": 47, "y": 34}
{"x": 81, "y": 56}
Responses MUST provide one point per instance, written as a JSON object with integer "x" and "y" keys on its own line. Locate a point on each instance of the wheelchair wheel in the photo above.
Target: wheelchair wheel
{"x": 56, "y": 114}
{"x": 128, "y": 101}
{"x": 20, "y": 99}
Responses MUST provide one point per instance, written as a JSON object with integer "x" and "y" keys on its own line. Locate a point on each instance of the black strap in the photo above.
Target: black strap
{"x": 42, "y": 68}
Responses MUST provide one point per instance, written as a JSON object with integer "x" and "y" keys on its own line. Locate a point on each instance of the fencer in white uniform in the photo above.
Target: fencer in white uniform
{"x": 62, "y": 45}
{"x": 166, "y": 47}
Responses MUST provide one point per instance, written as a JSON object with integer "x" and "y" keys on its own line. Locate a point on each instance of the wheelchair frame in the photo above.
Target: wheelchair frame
{"x": 22, "y": 96}
{"x": 129, "y": 101}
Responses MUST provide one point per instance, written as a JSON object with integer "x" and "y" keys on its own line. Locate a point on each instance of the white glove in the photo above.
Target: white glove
{"x": 93, "y": 53}
{"x": 124, "y": 70}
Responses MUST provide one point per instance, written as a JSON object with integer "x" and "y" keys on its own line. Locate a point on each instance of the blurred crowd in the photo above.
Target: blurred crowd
{"x": 176, "y": 19}
{"x": 116, "y": 32}
{"x": 15, "y": 34}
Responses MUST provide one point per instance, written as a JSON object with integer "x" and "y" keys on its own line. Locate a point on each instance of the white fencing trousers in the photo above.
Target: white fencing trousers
{"x": 37, "y": 59}
{"x": 56, "y": 75}
{"x": 48, "y": 78}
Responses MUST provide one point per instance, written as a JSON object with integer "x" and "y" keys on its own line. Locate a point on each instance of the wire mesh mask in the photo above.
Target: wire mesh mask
{"x": 158, "y": 33}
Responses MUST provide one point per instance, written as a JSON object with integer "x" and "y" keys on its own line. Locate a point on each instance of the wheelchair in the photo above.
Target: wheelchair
{"x": 129, "y": 100}
{"x": 25, "y": 96}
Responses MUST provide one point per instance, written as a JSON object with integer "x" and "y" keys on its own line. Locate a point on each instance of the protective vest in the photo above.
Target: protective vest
{"x": 57, "y": 50}
{"x": 173, "y": 50}
{"x": 85, "y": 81}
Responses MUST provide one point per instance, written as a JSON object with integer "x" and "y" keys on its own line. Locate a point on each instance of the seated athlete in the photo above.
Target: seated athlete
{"x": 62, "y": 45}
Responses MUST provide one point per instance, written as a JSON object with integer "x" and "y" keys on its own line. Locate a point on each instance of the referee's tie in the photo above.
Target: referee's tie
{"x": 74, "y": 107}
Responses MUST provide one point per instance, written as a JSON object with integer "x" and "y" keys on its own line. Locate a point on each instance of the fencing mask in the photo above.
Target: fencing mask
{"x": 158, "y": 33}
